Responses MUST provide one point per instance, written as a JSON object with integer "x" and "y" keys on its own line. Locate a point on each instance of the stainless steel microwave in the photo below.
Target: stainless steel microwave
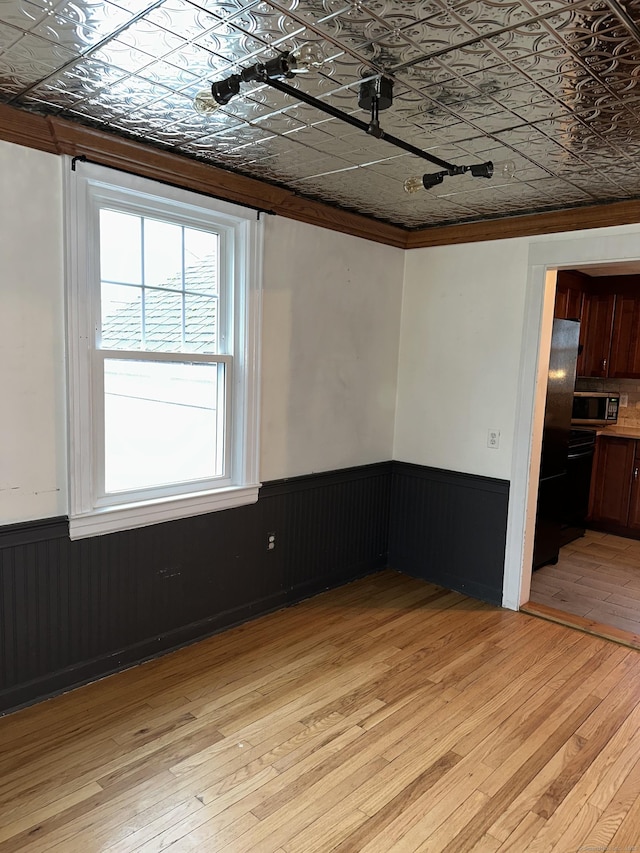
{"x": 597, "y": 408}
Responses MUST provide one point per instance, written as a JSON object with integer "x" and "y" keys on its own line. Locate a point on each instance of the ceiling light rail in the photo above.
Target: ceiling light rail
{"x": 375, "y": 94}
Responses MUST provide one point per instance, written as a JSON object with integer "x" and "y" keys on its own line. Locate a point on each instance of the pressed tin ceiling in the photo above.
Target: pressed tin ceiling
{"x": 550, "y": 85}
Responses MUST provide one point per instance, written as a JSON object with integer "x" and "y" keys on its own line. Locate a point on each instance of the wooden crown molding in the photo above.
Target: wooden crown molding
{"x": 528, "y": 225}
{"x": 58, "y": 136}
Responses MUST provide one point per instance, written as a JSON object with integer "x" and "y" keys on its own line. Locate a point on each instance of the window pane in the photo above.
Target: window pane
{"x": 201, "y": 261}
{"x": 162, "y": 254}
{"x": 200, "y": 323}
{"x": 120, "y": 247}
{"x": 161, "y": 424}
{"x": 121, "y": 308}
{"x": 162, "y": 321}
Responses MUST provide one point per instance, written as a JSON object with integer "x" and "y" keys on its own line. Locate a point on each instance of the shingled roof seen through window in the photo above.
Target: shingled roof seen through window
{"x": 166, "y": 318}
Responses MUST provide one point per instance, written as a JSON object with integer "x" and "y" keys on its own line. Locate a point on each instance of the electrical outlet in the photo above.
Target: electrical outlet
{"x": 493, "y": 439}
{"x": 271, "y": 541}
{"x": 624, "y": 401}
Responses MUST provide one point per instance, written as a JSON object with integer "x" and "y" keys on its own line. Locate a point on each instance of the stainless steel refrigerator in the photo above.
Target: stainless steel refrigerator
{"x": 555, "y": 441}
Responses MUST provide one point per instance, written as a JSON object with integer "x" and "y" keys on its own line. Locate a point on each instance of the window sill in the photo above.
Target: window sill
{"x": 130, "y": 516}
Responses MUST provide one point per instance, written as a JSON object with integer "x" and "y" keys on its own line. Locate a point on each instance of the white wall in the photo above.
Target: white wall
{"x": 331, "y": 321}
{"x": 460, "y": 344}
{"x": 467, "y": 313}
{"x": 32, "y": 426}
{"x": 330, "y": 344}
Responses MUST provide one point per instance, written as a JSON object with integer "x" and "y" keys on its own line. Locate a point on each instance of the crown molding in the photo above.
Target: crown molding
{"x": 58, "y": 136}
{"x": 528, "y": 225}
{"x": 23, "y": 128}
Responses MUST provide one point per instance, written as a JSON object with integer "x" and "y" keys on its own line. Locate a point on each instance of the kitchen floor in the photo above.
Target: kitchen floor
{"x": 597, "y": 580}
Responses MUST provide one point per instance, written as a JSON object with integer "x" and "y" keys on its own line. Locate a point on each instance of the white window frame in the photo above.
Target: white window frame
{"x": 91, "y": 512}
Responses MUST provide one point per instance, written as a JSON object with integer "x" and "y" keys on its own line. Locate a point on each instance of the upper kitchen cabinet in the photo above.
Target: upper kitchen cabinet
{"x": 625, "y": 341}
{"x": 596, "y": 331}
{"x": 570, "y": 288}
{"x": 608, "y": 308}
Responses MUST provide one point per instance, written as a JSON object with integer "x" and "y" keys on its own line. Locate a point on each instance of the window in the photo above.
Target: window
{"x": 163, "y": 320}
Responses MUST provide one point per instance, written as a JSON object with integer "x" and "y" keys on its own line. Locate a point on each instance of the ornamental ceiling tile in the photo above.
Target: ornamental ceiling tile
{"x": 550, "y": 85}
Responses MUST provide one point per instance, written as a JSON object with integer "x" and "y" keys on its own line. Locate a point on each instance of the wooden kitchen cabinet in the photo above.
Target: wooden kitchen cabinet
{"x": 625, "y": 342}
{"x": 611, "y": 480}
{"x": 634, "y": 501}
{"x": 608, "y": 308}
{"x": 615, "y": 487}
{"x": 571, "y": 286}
{"x": 596, "y": 333}
{"x": 570, "y": 289}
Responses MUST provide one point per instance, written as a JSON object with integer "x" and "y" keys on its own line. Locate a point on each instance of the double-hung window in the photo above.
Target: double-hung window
{"x": 163, "y": 321}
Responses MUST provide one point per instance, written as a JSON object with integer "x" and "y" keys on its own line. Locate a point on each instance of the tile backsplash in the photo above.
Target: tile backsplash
{"x": 628, "y": 415}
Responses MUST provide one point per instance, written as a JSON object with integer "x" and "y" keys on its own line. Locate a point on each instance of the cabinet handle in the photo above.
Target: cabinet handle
{"x": 635, "y": 473}
{"x": 604, "y": 363}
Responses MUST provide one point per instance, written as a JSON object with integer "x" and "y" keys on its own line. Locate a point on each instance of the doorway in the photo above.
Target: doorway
{"x": 594, "y": 583}
{"x": 546, "y": 256}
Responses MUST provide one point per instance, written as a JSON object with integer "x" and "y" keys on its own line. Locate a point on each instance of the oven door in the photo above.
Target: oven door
{"x": 577, "y": 487}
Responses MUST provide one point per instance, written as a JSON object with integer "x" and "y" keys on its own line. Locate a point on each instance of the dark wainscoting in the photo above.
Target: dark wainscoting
{"x": 449, "y": 528}
{"x": 71, "y": 612}
{"x": 74, "y": 611}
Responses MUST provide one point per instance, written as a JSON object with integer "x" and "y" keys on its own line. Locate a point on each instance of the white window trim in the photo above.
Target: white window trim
{"x": 86, "y": 516}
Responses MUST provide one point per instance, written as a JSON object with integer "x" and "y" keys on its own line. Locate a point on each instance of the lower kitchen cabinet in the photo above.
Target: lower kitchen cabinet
{"x": 633, "y": 521}
{"x": 615, "y": 487}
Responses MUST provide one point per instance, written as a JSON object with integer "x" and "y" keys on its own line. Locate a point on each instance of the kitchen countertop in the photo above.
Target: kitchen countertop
{"x": 619, "y": 431}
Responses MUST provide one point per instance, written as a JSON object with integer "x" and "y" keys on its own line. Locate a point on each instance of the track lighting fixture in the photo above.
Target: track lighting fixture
{"x": 287, "y": 64}
{"x": 504, "y": 169}
{"x": 375, "y": 94}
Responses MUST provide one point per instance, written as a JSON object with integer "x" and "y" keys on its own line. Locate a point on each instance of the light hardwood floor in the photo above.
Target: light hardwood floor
{"x": 387, "y": 716}
{"x": 597, "y": 578}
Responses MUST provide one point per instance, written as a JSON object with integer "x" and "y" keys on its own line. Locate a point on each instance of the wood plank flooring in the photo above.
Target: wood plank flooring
{"x": 388, "y": 716}
{"x": 596, "y": 579}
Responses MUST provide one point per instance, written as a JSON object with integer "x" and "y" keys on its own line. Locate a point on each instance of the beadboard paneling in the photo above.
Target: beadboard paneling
{"x": 73, "y": 611}
{"x": 449, "y": 528}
